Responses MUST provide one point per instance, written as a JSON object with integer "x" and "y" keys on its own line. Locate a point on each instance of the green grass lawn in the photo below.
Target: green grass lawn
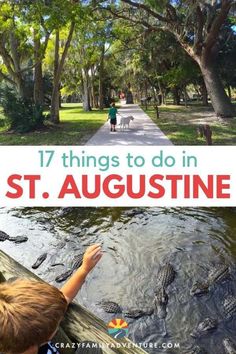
{"x": 180, "y": 125}
{"x": 76, "y": 128}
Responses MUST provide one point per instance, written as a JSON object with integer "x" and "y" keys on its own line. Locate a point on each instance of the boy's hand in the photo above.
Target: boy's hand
{"x": 92, "y": 256}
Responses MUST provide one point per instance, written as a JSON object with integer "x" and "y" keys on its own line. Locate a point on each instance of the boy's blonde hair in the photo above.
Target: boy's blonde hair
{"x": 30, "y": 312}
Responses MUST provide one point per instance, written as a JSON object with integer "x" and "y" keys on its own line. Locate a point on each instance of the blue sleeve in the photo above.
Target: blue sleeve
{"x": 48, "y": 348}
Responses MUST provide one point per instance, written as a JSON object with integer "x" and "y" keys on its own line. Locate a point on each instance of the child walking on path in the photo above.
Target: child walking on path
{"x": 31, "y": 311}
{"x": 112, "y": 116}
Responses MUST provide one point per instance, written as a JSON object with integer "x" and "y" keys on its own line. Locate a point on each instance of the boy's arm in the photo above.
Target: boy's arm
{"x": 91, "y": 257}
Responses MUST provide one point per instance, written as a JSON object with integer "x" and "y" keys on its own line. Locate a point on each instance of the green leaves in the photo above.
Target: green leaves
{"x": 158, "y": 5}
{"x": 22, "y": 114}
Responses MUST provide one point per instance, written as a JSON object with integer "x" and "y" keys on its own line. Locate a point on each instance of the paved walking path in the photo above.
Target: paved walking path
{"x": 142, "y": 130}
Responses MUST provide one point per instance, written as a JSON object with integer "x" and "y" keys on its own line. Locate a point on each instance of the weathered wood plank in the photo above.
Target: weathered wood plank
{"x": 79, "y": 323}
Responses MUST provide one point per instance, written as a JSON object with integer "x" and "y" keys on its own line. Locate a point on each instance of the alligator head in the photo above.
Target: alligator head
{"x": 204, "y": 327}
{"x": 4, "y": 236}
{"x": 199, "y": 288}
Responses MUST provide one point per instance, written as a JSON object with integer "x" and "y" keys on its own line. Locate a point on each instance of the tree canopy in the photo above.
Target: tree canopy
{"x": 91, "y": 50}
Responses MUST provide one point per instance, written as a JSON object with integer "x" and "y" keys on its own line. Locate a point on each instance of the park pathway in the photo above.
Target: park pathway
{"x": 142, "y": 130}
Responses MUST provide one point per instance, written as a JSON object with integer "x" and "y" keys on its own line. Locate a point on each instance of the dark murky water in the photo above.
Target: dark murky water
{"x": 135, "y": 243}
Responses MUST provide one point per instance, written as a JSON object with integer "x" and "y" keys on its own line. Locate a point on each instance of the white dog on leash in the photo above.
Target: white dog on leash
{"x": 124, "y": 122}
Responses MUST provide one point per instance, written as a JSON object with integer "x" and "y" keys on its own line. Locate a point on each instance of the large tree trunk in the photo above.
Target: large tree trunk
{"x": 93, "y": 98}
{"x": 155, "y": 98}
{"x": 176, "y": 96}
{"x": 86, "y": 93}
{"x": 55, "y": 107}
{"x": 38, "y": 72}
{"x": 204, "y": 94}
{"x": 101, "y": 75}
{"x": 58, "y": 67}
{"x": 219, "y": 99}
{"x": 161, "y": 97}
{"x": 21, "y": 86}
{"x": 17, "y": 74}
{"x": 185, "y": 96}
{"x": 55, "y": 104}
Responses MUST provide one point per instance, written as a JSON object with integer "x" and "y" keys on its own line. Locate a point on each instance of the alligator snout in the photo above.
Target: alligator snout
{"x": 209, "y": 324}
{"x": 199, "y": 288}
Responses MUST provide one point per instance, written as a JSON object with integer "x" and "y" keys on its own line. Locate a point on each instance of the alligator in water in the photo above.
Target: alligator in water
{"x": 62, "y": 277}
{"x": 229, "y": 346}
{"x": 18, "y": 239}
{"x": 136, "y": 313}
{"x": 4, "y": 236}
{"x": 165, "y": 276}
{"x": 64, "y": 211}
{"x": 216, "y": 274}
{"x": 230, "y": 306}
{"x": 204, "y": 327}
{"x": 76, "y": 263}
{"x": 113, "y": 307}
{"x": 160, "y": 302}
{"x": 57, "y": 264}
{"x": 39, "y": 261}
{"x": 110, "y": 306}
